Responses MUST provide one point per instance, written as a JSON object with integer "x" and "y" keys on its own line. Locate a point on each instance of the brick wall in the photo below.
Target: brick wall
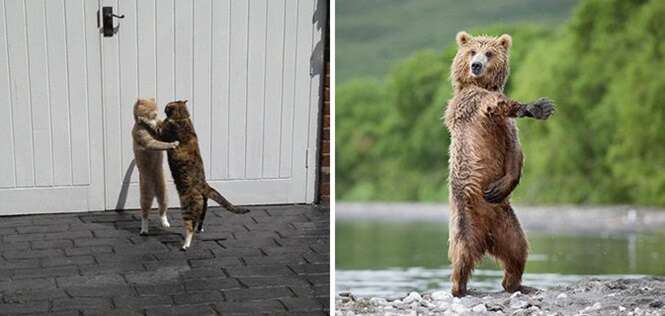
{"x": 324, "y": 158}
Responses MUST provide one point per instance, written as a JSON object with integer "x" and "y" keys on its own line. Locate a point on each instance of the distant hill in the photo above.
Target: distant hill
{"x": 371, "y": 35}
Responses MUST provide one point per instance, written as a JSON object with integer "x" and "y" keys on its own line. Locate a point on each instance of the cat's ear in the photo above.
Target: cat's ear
{"x": 184, "y": 101}
{"x": 153, "y": 99}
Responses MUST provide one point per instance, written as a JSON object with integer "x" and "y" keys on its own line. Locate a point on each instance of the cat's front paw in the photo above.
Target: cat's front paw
{"x": 541, "y": 109}
{"x": 175, "y": 144}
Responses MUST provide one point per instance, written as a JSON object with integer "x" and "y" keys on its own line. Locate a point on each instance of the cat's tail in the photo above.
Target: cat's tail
{"x": 217, "y": 197}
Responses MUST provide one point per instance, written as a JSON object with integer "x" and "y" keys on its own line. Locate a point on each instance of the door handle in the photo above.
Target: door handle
{"x": 107, "y": 21}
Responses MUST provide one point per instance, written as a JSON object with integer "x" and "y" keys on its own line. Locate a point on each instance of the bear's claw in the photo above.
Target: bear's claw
{"x": 495, "y": 192}
{"x": 541, "y": 109}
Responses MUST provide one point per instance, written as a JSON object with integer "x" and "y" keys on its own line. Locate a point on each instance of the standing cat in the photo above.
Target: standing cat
{"x": 187, "y": 170}
{"x": 148, "y": 157}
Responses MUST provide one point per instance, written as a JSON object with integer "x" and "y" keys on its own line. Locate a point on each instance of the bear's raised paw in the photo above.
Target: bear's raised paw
{"x": 541, "y": 109}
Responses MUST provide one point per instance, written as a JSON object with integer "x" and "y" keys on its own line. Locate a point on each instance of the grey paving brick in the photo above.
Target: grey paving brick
{"x": 193, "y": 310}
{"x": 19, "y": 263}
{"x": 251, "y": 308}
{"x": 161, "y": 275}
{"x": 158, "y": 264}
{"x": 275, "y": 260}
{"x": 249, "y": 243}
{"x": 189, "y": 254}
{"x": 42, "y": 229}
{"x": 289, "y": 281}
{"x": 26, "y": 254}
{"x": 237, "y": 252}
{"x": 313, "y": 291}
{"x": 110, "y": 268}
{"x": 101, "y": 291}
{"x": 256, "y": 234}
{"x": 88, "y": 250}
{"x": 311, "y": 269}
{"x": 96, "y": 303}
{"x": 160, "y": 289}
{"x": 68, "y": 235}
{"x": 257, "y": 294}
{"x": 34, "y": 273}
{"x": 278, "y": 250}
{"x": 8, "y": 231}
{"x": 300, "y": 304}
{"x": 258, "y": 271}
{"x": 214, "y": 236}
{"x": 33, "y": 307}
{"x": 319, "y": 279}
{"x": 49, "y": 244}
{"x": 91, "y": 280}
{"x": 5, "y": 245}
{"x": 118, "y": 311}
{"x": 211, "y": 284}
{"x": 141, "y": 302}
{"x": 125, "y": 258}
{"x": 205, "y": 272}
{"x": 112, "y": 233}
{"x": 204, "y": 297}
{"x": 101, "y": 242}
{"x": 33, "y": 295}
{"x": 221, "y": 261}
{"x": 317, "y": 258}
{"x": 27, "y": 284}
{"x": 64, "y": 261}
{"x": 61, "y": 313}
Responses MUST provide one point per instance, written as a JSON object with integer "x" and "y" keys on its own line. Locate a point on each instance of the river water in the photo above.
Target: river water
{"x": 389, "y": 259}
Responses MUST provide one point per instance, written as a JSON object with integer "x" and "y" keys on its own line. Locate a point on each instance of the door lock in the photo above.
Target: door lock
{"x": 107, "y": 21}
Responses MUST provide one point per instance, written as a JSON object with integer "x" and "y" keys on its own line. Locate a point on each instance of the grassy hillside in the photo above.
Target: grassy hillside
{"x": 374, "y": 34}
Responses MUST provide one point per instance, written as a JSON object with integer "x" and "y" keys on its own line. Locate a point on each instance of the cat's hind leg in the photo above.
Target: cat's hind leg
{"x": 147, "y": 194}
{"x": 162, "y": 198}
{"x": 192, "y": 207}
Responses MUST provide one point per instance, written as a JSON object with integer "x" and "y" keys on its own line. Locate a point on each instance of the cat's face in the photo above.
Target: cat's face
{"x": 177, "y": 110}
{"x": 146, "y": 108}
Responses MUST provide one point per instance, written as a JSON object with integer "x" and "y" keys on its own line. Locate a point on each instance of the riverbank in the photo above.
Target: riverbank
{"x": 640, "y": 296}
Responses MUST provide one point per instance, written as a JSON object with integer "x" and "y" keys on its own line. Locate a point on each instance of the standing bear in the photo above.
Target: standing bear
{"x": 485, "y": 161}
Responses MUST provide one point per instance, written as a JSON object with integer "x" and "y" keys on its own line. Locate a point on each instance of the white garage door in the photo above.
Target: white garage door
{"x": 251, "y": 71}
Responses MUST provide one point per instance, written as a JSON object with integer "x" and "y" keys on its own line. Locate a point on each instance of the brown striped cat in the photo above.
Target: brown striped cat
{"x": 187, "y": 170}
{"x": 148, "y": 157}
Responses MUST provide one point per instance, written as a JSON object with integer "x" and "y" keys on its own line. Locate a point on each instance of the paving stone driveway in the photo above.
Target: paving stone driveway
{"x": 272, "y": 260}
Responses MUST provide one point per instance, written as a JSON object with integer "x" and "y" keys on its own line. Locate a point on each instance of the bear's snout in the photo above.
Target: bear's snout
{"x": 476, "y": 68}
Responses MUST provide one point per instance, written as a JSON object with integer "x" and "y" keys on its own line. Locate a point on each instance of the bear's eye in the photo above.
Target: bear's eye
{"x": 473, "y": 52}
{"x": 488, "y": 54}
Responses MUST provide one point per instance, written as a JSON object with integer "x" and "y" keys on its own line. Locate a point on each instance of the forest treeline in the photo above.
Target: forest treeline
{"x": 605, "y": 70}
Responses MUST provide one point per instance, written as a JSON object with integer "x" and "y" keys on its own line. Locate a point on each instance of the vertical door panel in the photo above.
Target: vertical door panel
{"x": 48, "y": 59}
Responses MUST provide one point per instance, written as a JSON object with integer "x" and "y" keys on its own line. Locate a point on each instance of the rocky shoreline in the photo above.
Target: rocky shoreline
{"x": 642, "y": 296}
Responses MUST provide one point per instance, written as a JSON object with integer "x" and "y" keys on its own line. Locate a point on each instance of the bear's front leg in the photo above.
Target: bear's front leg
{"x": 540, "y": 109}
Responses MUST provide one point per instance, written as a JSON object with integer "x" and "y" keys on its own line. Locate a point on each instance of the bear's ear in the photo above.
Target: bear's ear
{"x": 462, "y": 38}
{"x": 506, "y": 41}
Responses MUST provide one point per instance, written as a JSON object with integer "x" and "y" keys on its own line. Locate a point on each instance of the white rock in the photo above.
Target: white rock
{"x": 458, "y": 308}
{"x": 480, "y": 308}
{"x": 456, "y": 300}
{"x": 441, "y": 296}
{"x": 412, "y": 297}
{"x": 518, "y": 304}
{"x": 516, "y": 294}
{"x": 621, "y": 308}
{"x": 378, "y": 301}
{"x": 562, "y": 296}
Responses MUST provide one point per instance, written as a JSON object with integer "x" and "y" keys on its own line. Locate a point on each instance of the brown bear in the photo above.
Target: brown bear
{"x": 485, "y": 161}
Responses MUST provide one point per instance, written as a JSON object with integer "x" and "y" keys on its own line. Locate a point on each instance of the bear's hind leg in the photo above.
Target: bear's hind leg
{"x": 464, "y": 255}
{"x": 511, "y": 249}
